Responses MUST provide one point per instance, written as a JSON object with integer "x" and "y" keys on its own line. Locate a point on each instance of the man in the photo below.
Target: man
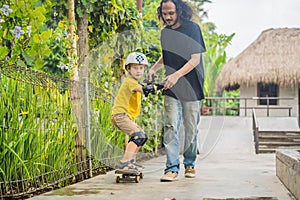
{"x": 182, "y": 45}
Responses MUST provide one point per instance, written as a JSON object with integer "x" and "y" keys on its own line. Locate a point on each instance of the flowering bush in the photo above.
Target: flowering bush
{"x": 26, "y": 39}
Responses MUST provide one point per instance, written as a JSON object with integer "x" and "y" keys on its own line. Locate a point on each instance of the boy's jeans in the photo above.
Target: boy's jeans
{"x": 175, "y": 111}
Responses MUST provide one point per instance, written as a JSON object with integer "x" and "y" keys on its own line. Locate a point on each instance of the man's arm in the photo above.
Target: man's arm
{"x": 190, "y": 65}
{"x": 172, "y": 79}
{"x": 159, "y": 63}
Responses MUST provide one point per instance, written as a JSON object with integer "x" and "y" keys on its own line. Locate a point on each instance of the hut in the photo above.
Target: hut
{"x": 268, "y": 67}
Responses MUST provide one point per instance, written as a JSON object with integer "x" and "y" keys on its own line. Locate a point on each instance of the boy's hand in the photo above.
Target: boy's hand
{"x": 149, "y": 89}
{"x": 152, "y": 88}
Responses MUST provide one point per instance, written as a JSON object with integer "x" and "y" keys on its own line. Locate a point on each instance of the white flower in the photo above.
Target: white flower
{"x": 5, "y": 9}
{"x": 67, "y": 34}
{"x": 18, "y": 31}
{"x": 146, "y": 109}
{"x": 29, "y": 30}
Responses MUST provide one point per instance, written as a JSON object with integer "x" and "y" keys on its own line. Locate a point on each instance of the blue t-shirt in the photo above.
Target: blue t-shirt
{"x": 177, "y": 47}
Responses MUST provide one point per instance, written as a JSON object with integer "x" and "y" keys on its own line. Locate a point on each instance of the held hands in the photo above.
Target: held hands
{"x": 152, "y": 88}
{"x": 167, "y": 83}
{"x": 148, "y": 86}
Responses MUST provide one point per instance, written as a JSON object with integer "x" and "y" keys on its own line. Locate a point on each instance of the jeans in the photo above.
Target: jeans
{"x": 175, "y": 111}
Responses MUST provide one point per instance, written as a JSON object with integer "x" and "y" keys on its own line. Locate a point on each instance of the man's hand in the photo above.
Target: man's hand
{"x": 171, "y": 80}
{"x": 151, "y": 77}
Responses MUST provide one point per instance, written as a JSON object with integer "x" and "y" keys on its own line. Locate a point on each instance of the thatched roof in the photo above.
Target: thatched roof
{"x": 274, "y": 57}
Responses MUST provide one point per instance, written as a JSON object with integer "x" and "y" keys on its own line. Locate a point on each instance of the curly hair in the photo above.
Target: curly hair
{"x": 183, "y": 9}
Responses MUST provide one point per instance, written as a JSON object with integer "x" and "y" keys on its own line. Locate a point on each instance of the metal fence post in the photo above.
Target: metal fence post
{"x": 87, "y": 125}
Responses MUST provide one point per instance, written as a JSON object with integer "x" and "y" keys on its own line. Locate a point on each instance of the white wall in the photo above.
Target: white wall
{"x": 251, "y": 91}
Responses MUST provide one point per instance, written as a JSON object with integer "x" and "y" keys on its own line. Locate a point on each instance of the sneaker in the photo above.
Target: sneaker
{"x": 139, "y": 166}
{"x": 127, "y": 166}
{"x": 169, "y": 176}
{"x": 190, "y": 172}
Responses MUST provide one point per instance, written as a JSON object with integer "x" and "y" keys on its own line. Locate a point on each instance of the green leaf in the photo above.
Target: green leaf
{"x": 21, "y": 63}
{"x": 84, "y": 2}
{"x": 39, "y": 63}
{"x": 46, "y": 51}
{"x": 36, "y": 39}
{"x": 79, "y": 11}
{"x": 101, "y": 18}
{"x": 29, "y": 60}
{"x": 18, "y": 157}
{"x": 3, "y": 52}
{"x": 46, "y": 35}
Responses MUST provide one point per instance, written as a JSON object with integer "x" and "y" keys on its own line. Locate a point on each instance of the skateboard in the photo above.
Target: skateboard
{"x": 128, "y": 176}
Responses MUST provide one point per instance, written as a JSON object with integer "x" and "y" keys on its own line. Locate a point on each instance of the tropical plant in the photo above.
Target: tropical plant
{"x": 36, "y": 133}
{"x": 214, "y": 58}
{"x": 233, "y": 102}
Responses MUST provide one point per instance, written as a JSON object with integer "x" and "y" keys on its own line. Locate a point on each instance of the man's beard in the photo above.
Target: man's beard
{"x": 175, "y": 22}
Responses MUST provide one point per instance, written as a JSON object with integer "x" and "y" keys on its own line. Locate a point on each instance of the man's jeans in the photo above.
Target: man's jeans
{"x": 175, "y": 111}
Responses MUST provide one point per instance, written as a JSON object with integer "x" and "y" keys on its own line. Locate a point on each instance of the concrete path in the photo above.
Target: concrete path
{"x": 227, "y": 167}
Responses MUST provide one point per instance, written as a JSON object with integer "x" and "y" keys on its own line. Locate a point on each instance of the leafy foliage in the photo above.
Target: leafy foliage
{"x": 22, "y": 33}
{"x": 110, "y": 17}
{"x": 28, "y": 39}
{"x": 214, "y": 58}
{"x": 32, "y": 141}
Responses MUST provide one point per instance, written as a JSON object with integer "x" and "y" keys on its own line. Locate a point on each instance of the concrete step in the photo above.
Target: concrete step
{"x": 270, "y": 140}
{"x": 279, "y": 143}
{"x": 273, "y": 149}
{"x": 262, "y": 151}
{"x": 281, "y": 138}
{"x": 276, "y": 133}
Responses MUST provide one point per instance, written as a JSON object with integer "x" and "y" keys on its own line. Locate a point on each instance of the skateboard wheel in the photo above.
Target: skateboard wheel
{"x": 137, "y": 179}
{"x": 141, "y": 175}
{"x": 117, "y": 179}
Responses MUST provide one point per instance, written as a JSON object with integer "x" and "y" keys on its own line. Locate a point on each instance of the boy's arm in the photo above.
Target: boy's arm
{"x": 138, "y": 89}
{"x": 147, "y": 89}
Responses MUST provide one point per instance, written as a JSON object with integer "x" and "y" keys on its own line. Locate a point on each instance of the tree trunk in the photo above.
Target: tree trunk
{"x": 83, "y": 63}
{"x": 139, "y": 7}
{"x": 83, "y": 45}
{"x": 72, "y": 40}
{"x": 76, "y": 90}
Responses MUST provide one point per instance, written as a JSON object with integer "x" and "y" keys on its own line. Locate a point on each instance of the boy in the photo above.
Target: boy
{"x": 127, "y": 107}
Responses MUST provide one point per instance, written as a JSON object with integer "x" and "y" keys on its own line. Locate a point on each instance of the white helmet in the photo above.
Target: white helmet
{"x": 137, "y": 58}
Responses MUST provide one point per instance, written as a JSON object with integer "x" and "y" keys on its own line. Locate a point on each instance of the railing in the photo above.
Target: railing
{"x": 255, "y": 131}
{"x": 267, "y": 141}
{"x": 218, "y": 105}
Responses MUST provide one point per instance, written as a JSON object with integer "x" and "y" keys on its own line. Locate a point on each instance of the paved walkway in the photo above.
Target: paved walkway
{"x": 227, "y": 167}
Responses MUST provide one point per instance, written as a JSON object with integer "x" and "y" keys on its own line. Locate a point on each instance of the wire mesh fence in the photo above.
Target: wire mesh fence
{"x": 43, "y": 136}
